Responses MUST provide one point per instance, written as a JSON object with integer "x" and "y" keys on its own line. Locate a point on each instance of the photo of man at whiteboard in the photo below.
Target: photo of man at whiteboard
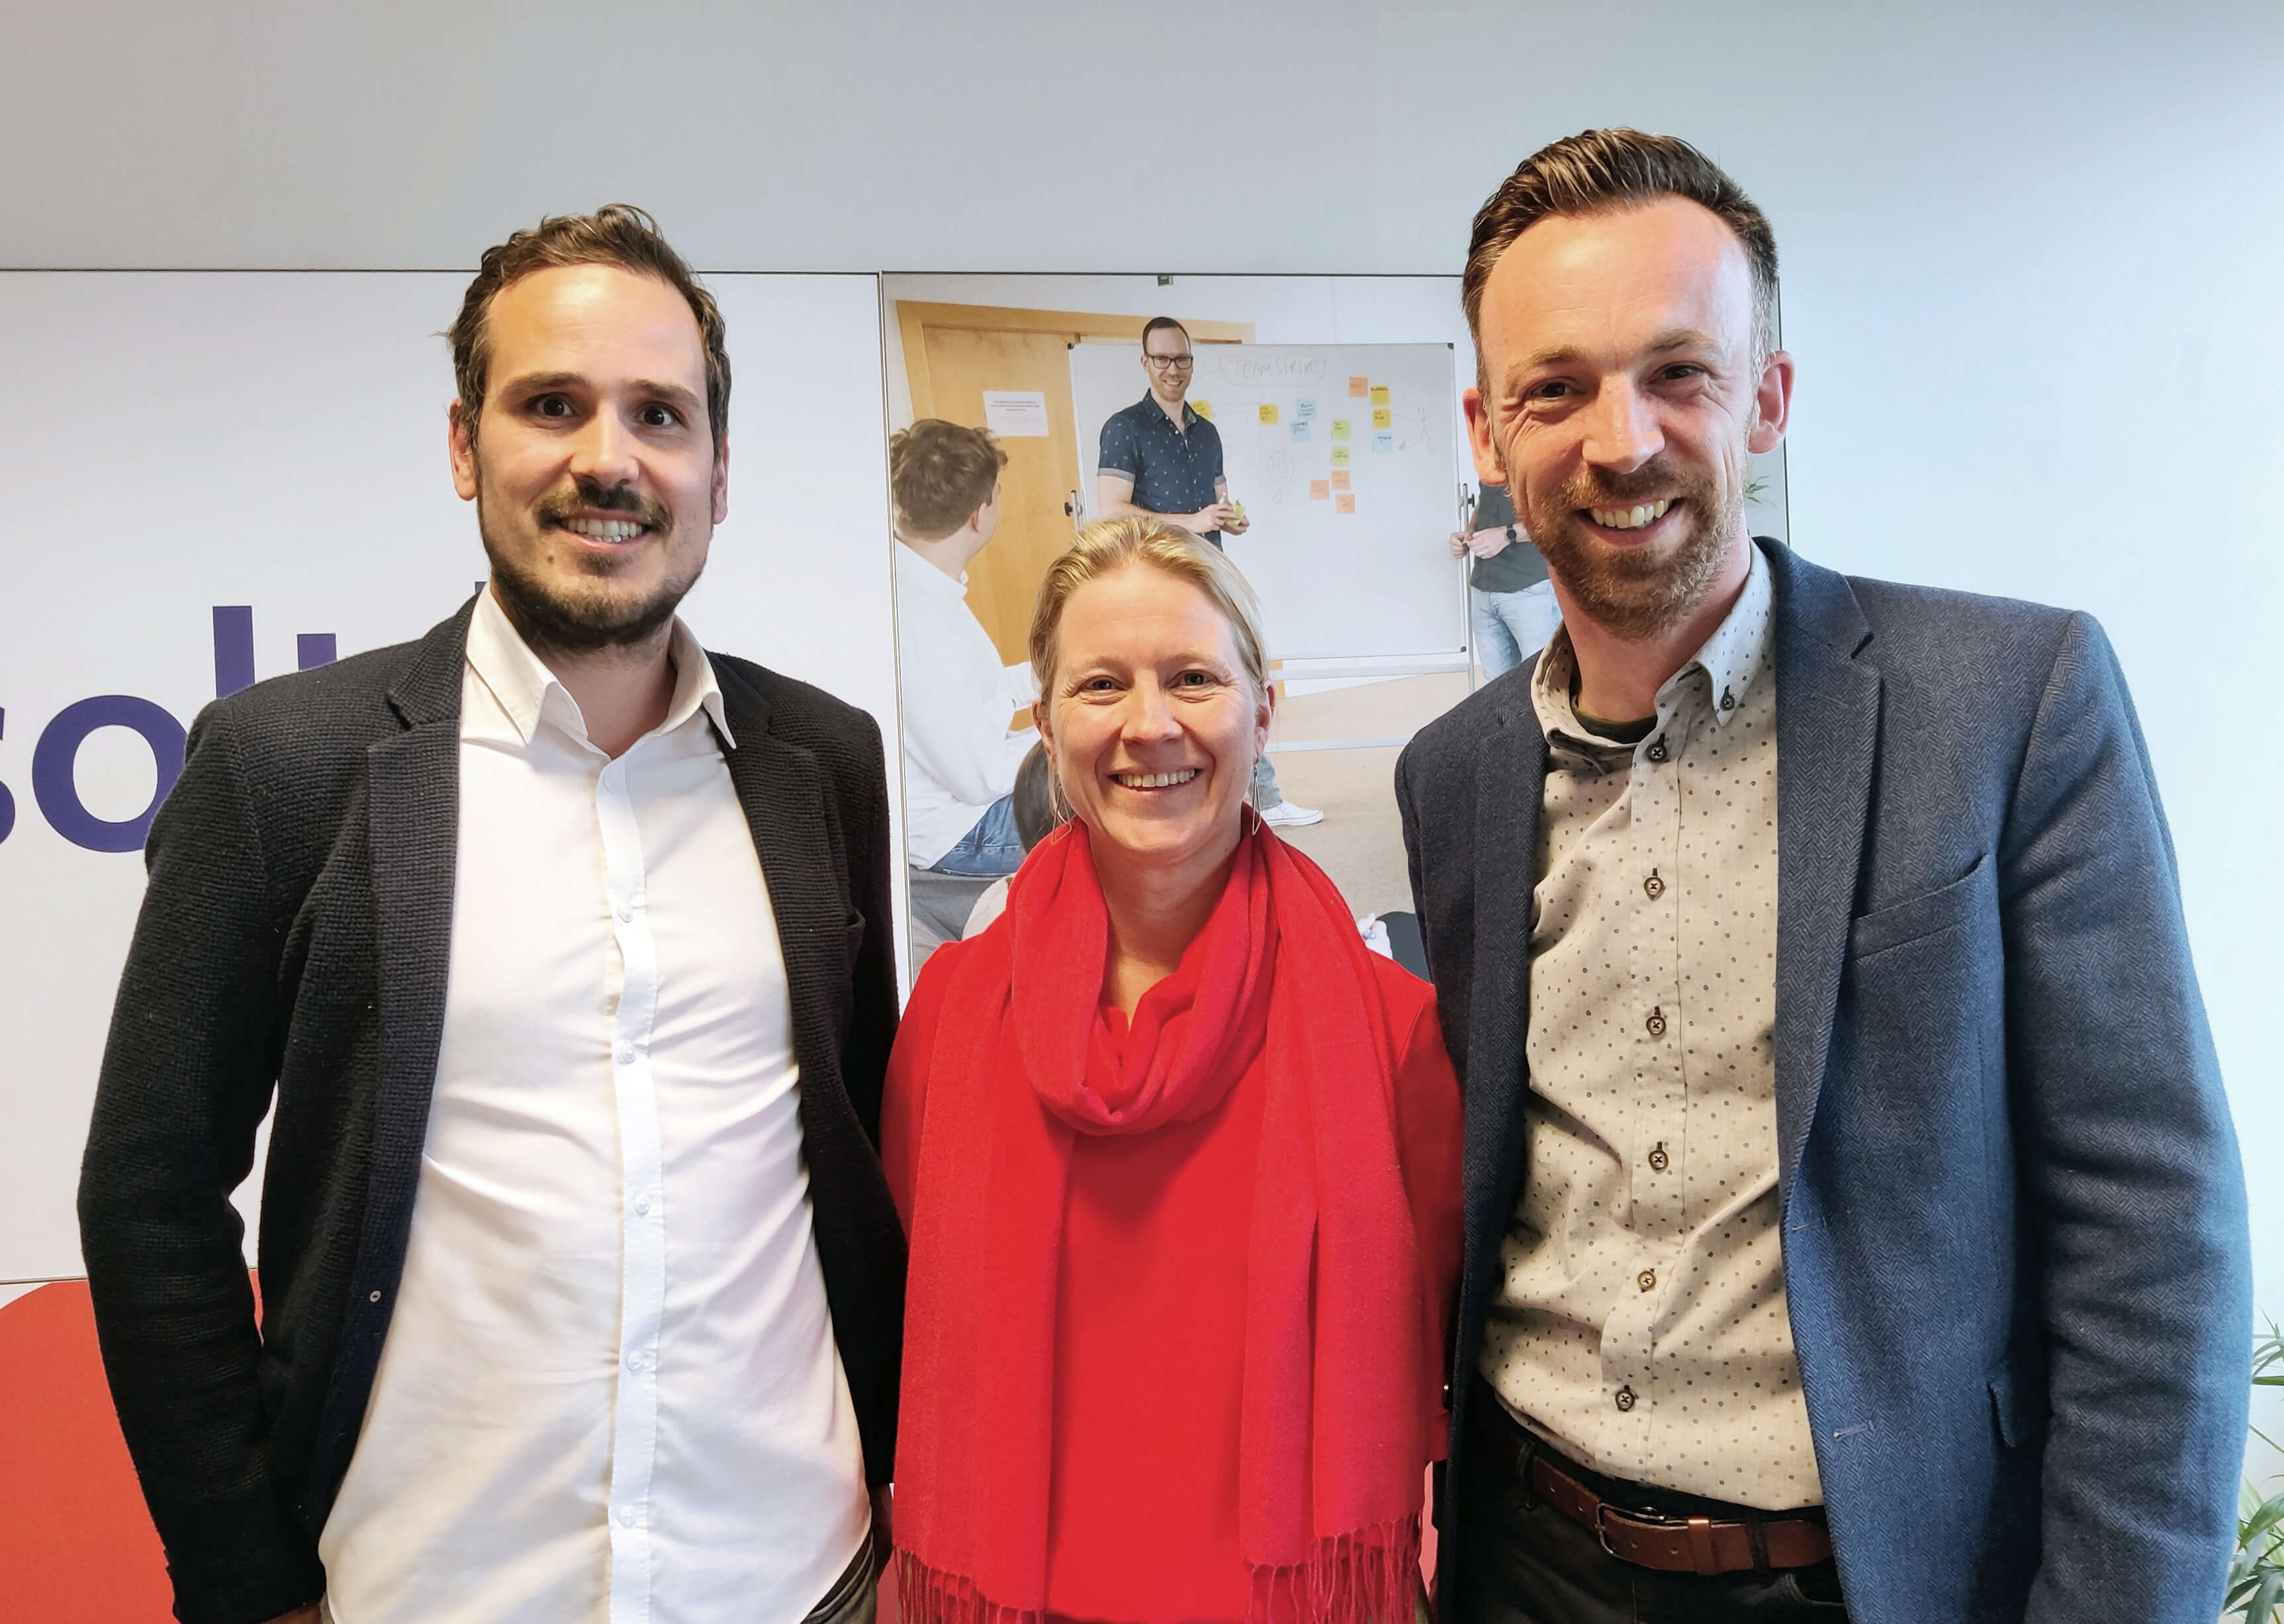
{"x": 1160, "y": 456}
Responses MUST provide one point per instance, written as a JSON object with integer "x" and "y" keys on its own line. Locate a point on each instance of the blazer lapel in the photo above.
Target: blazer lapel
{"x": 782, "y": 789}
{"x": 412, "y": 827}
{"x": 1508, "y": 791}
{"x": 1827, "y": 742}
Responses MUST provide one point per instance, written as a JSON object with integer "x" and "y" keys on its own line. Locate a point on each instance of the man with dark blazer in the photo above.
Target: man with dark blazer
{"x": 564, "y": 947}
{"x": 1854, "y": 1224}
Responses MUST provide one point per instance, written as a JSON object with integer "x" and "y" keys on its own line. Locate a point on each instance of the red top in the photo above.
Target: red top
{"x": 1150, "y": 1315}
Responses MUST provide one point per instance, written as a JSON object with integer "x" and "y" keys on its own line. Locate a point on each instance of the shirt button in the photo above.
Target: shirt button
{"x": 1654, "y": 887}
{"x": 1656, "y": 751}
{"x": 1625, "y": 1399}
{"x": 626, "y": 913}
{"x": 374, "y": 1298}
{"x": 1658, "y": 1159}
{"x": 626, "y": 1517}
{"x": 1646, "y": 1280}
{"x": 626, "y": 1054}
{"x": 1655, "y": 1023}
{"x": 642, "y": 1204}
{"x": 635, "y": 1359}
{"x": 1728, "y": 700}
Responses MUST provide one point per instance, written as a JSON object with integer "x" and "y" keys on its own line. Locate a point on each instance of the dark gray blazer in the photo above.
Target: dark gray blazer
{"x": 295, "y": 937}
{"x": 2014, "y": 1238}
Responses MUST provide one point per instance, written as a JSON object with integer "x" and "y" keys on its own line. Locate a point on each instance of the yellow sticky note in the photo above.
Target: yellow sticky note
{"x": 1269, "y": 412}
{"x": 1204, "y": 408}
{"x": 1339, "y": 457}
{"x": 1318, "y": 489}
{"x": 1344, "y": 504}
{"x": 1340, "y": 428}
{"x": 1340, "y": 478}
{"x": 1382, "y": 418}
{"x": 1380, "y": 394}
{"x": 1357, "y": 386}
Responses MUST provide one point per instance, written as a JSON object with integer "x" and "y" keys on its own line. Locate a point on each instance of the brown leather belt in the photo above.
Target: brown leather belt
{"x": 1707, "y": 1545}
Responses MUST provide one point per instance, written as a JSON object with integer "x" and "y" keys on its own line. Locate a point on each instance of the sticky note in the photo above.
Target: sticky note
{"x": 1345, "y": 503}
{"x": 1379, "y": 395}
{"x": 1383, "y": 443}
{"x": 1269, "y": 412}
{"x": 1340, "y": 478}
{"x": 1204, "y": 408}
{"x": 1382, "y": 418}
{"x": 1318, "y": 489}
{"x": 1304, "y": 408}
{"x": 1340, "y": 428}
{"x": 1300, "y": 430}
{"x": 1339, "y": 457}
{"x": 1359, "y": 386}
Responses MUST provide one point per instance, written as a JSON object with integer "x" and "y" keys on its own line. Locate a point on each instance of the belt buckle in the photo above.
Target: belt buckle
{"x": 1700, "y": 1530}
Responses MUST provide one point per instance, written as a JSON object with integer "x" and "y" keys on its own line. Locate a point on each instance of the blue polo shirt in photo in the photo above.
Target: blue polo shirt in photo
{"x": 1174, "y": 469}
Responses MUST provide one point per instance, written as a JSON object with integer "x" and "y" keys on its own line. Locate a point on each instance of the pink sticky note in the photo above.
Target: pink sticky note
{"x": 1359, "y": 386}
{"x": 1318, "y": 489}
{"x": 1340, "y": 478}
{"x": 1344, "y": 502}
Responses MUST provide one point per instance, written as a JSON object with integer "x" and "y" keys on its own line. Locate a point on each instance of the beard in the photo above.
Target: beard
{"x": 1634, "y": 592}
{"x": 587, "y": 615}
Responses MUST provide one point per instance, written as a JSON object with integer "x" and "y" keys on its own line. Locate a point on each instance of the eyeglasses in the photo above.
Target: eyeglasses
{"x": 1170, "y": 364}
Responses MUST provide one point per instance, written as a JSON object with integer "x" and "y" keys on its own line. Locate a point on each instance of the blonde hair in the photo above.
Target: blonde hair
{"x": 1109, "y": 545}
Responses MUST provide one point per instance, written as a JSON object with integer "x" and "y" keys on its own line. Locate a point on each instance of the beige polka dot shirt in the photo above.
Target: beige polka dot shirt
{"x": 1640, "y": 1324}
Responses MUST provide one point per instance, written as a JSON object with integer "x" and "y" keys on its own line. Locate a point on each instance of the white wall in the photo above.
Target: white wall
{"x": 2031, "y": 253}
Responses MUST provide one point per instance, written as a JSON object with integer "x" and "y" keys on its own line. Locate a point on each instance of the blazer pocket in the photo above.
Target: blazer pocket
{"x": 1922, "y": 916}
{"x": 852, "y": 938}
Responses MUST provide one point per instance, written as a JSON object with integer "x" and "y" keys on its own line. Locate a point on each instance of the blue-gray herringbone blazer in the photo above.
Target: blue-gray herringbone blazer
{"x": 2013, "y": 1223}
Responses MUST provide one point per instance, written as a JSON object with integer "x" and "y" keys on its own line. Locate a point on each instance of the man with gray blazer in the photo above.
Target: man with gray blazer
{"x": 1854, "y": 1224}
{"x": 563, "y": 947}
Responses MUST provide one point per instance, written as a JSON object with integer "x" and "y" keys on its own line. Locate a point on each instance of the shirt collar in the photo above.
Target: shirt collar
{"x": 916, "y": 573}
{"x": 1149, "y": 402}
{"x": 1731, "y": 660}
{"x": 531, "y": 693}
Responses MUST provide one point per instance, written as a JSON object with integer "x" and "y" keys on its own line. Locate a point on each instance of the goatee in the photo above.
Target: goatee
{"x": 1635, "y": 592}
{"x": 587, "y": 617}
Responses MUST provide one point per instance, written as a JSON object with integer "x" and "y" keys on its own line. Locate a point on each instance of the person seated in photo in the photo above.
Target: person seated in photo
{"x": 957, "y": 695}
{"x": 1510, "y": 601}
{"x": 1162, "y": 458}
{"x": 1180, "y": 1160}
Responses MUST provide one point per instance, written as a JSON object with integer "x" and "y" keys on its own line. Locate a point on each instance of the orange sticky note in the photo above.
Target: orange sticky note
{"x": 1340, "y": 478}
{"x": 1380, "y": 394}
{"x": 1359, "y": 386}
{"x": 1344, "y": 504}
{"x": 1383, "y": 417}
{"x": 1318, "y": 489}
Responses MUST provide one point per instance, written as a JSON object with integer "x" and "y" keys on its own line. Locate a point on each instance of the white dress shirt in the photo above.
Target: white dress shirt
{"x": 610, "y": 1392}
{"x": 1640, "y": 1322}
{"x": 956, "y": 697}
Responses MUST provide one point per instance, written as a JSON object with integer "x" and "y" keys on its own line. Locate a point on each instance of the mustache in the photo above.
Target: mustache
{"x": 588, "y": 496}
{"x": 1648, "y": 483}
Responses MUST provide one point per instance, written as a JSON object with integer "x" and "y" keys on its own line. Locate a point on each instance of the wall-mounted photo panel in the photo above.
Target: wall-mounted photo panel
{"x": 1317, "y": 423}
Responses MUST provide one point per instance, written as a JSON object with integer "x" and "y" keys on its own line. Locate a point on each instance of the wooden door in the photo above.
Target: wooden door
{"x": 953, "y": 354}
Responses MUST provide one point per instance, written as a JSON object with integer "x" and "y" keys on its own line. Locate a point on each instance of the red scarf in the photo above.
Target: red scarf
{"x": 1333, "y": 1434}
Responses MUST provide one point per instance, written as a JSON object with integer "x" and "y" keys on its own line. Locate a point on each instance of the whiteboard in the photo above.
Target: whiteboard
{"x": 277, "y": 441}
{"x": 1375, "y": 581}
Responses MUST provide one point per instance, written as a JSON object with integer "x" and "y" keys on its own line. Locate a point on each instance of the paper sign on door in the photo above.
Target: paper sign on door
{"x": 1015, "y": 414}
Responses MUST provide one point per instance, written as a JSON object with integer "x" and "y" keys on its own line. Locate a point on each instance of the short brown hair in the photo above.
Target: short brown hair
{"x": 1604, "y": 171}
{"x": 1161, "y": 324}
{"x": 939, "y": 473}
{"x": 615, "y": 234}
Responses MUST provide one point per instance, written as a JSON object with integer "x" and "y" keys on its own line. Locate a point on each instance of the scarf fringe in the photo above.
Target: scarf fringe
{"x": 928, "y": 1595}
{"x": 1369, "y": 1575}
{"x": 1366, "y": 1576}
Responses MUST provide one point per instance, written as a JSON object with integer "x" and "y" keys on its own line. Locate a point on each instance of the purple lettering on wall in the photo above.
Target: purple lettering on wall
{"x": 57, "y": 754}
{"x": 7, "y": 802}
{"x": 233, "y": 646}
{"x": 312, "y": 649}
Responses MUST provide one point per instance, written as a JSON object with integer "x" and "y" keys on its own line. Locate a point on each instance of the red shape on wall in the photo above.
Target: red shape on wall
{"x": 76, "y": 1545}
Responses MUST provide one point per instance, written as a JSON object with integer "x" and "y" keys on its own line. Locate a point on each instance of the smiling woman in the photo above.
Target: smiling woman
{"x": 1186, "y": 1342}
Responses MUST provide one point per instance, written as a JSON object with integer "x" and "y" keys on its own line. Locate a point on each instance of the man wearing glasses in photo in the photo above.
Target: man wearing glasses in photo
{"x": 1160, "y": 457}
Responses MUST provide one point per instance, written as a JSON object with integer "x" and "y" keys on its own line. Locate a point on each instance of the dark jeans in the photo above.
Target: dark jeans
{"x": 1523, "y": 1562}
{"x": 991, "y": 850}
